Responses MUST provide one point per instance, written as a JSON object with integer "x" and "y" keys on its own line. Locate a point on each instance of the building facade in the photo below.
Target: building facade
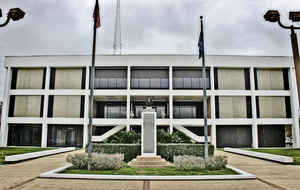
{"x": 252, "y": 100}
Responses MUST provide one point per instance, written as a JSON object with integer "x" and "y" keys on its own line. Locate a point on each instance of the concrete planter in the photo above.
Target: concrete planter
{"x": 57, "y": 175}
{"x": 21, "y": 157}
{"x": 266, "y": 156}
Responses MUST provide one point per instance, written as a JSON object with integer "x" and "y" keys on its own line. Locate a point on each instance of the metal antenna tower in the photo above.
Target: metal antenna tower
{"x": 117, "y": 46}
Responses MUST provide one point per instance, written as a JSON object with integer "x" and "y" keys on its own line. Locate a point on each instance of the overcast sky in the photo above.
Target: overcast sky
{"x": 232, "y": 27}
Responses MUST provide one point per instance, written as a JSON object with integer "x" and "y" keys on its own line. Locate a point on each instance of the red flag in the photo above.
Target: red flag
{"x": 97, "y": 15}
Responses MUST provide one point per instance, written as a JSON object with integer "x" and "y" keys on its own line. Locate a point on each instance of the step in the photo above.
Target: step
{"x": 148, "y": 158}
{"x": 153, "y": 163}
{"x": 146, "y": 166}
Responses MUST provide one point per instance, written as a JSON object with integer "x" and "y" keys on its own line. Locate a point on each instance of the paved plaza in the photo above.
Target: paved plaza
{"x": 270, "y": 175}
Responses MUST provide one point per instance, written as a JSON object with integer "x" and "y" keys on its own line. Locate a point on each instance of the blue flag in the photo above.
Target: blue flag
{"x": 201, "y": 44}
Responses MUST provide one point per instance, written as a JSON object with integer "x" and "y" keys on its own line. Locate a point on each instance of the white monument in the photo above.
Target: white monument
{"x": 149, "y": 141}
{"x": 149, "y": 158}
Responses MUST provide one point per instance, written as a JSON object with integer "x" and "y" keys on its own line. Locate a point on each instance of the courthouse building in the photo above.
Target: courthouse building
{"x": 252, "y": 100}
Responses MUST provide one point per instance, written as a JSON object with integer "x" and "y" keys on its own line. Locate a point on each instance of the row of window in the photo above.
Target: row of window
{"x": 151, "y": 78}
{"x": 225, "y": 106}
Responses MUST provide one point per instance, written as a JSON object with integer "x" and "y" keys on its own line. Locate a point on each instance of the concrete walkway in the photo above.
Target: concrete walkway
{"x": 279, "y": 175}
{"x": 271, "y": 176}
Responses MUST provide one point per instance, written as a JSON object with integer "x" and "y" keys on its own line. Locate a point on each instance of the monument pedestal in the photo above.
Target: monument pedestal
{"x": 149, "y": 162}
{"x": 149, "y": 159}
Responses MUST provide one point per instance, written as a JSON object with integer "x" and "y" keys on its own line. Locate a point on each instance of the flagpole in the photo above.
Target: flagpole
{"x": 201, "y": 52}
{"x": 91, "y": 100}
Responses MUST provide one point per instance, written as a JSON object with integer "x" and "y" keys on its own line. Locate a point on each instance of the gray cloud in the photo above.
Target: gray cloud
{"x": 65, "y": 27}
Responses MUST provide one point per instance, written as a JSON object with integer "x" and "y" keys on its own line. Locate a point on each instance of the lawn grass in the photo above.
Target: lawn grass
{"x": 9, "y": 151}
{"x": 295, "y": 153}
{"x": 150, "y": 171}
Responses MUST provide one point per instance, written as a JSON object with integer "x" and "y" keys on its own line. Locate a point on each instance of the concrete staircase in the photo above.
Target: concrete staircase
{"x": 190, "y": 134}
{"x": 149, "y": 162}
{"x": 108, "y": 134}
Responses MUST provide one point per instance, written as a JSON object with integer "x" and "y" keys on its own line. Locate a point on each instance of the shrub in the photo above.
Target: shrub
{"x": 168, "y": 151}
{"x": 78, "y": 160}
{"x": 179, "y": 137}
{"x": 163, "y": 136}
{"x": 131, "y": 137}
{"x": 217, "y": 162}
{"x": 98, "y": 161}
{"x": 176, "y": 137}
{"x": 130, "y": 151}
{"x": 123, "y": 137}
{"x": 107, "y": 161}
{"x": 189, "y": 162}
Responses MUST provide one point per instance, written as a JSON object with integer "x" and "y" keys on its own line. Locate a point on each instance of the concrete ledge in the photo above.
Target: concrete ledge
{"x": 266, "y": 156}
{"x": 21, "y": 157}
{"x": 55, "y": 174}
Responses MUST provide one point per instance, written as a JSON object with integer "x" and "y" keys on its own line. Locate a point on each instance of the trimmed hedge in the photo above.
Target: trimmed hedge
{"x": 167, "y": 151}
{"x": 130, "y": 151}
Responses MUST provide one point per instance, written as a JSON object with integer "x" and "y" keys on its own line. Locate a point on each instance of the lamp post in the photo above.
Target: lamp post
{"x": 15, "y": 14}
{"x": 274, "y": 16}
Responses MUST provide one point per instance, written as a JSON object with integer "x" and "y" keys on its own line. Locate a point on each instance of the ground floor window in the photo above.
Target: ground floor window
{"x": 65, "y": 135}
{"x": 239, "y": 136}
{"x": 24, "y": 135}
{"x": 271, "y": 135}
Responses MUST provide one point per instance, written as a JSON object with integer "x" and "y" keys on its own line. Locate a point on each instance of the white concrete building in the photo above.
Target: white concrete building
{"x": 252, "y": 100}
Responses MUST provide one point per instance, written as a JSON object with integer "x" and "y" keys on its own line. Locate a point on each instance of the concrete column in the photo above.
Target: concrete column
{"x": 5, "y": 107}
{"x": 213, "y": 136}
{"x": 212, "y": 78}
{"x": 85, "y": 134}
{"x": 128, "y": 97}
{"x": 86, "y": 108}
{"x": 253, "y": 107}
{"x": 45, "y": 110}
{"x": 171, "y": 112}
{"x": 128, "y": 112}
{"x": 213, "y": 119}
{"x": 213, "y": 129}
{"x": 170, "y": 77}
{"x": 44, "y": 134}
{"x": 254, "y": 136}
{"x": 294, "y": 107}
{"x": 128, "y": 77}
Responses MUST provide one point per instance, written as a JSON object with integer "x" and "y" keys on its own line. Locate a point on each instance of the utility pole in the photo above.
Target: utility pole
{"x": 274, "y": 16}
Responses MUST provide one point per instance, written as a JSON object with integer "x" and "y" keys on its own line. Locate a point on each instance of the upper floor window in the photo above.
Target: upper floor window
{"x": 190, "y": 78}
{"x": 28, "y": 78}
{"x": 232, "y": 79}
{"x": 110, "y": 78}
{"x": 150, "y": 78}
{"x": 271, "y": 79}
{"x": 67, "y": 78}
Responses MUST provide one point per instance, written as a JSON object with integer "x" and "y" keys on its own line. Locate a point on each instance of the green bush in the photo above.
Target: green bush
{"x": 176, "y": 137}
{"x": 130, "y": 151}
{"x": 130, "y": 137}
{"x": 179, "y": 137}
{"x": 168, "y": 151}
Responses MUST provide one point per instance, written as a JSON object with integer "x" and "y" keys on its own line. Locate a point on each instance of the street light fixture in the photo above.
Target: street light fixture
{"x": 294, "y": 16}
{"x": 274, "y": 16}
{"x": 15, "y": 14}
